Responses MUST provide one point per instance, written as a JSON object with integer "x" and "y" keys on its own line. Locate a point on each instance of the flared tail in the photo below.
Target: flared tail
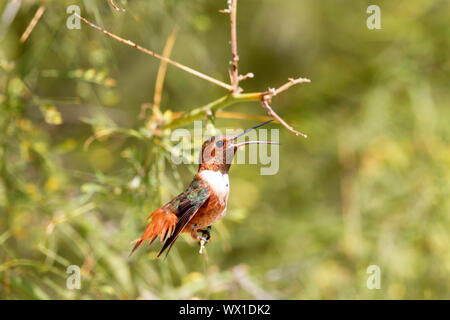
{"x": 162, "y": 224}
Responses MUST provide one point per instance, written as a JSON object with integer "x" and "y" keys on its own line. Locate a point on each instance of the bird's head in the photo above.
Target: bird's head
{"x": 218, "y": 151}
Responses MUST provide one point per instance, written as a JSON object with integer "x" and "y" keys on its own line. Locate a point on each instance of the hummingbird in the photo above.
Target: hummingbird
{"x": 205, "y": 199}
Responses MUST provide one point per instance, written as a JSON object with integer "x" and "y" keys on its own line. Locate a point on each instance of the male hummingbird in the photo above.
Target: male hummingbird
{"x": 204, "y": 201}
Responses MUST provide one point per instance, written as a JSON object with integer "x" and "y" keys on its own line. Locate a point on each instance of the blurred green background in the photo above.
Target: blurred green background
{"x": 370, "y": 185}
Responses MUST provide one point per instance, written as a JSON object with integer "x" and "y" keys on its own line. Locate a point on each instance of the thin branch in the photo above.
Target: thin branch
{"x": 234, "y": 48}
{"x": 37, "y": 16}
{"x": 221, "y": 103}
{"x": 153, "y": 54}
{"x": 246, "y": 76}
{"x": 116, "y": 6}
{"x": 266, "y": 105}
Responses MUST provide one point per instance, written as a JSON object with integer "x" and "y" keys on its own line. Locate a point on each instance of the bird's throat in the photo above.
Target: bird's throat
{"x": 217, "y": 181}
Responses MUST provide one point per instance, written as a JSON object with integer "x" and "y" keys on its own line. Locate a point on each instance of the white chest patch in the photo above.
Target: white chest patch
{"x": 219, "y": 182}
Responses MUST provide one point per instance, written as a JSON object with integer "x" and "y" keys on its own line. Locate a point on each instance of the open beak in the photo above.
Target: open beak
{"x": 237, "y": 145}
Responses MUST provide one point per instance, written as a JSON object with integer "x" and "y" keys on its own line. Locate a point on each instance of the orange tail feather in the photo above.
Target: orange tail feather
{"x": 162, "y": 224}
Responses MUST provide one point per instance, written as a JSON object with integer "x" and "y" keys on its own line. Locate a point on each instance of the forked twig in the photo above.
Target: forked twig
{"x": 156, "y": 55}
{"x": 267, "y": 97}
{"x": 228, "y": 100}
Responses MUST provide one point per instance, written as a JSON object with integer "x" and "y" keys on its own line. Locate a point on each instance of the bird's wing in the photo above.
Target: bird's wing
{"x": 185, "y": 206}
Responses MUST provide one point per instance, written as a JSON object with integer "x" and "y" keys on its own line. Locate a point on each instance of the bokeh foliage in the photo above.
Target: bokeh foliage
{"x": 369, "y": 185}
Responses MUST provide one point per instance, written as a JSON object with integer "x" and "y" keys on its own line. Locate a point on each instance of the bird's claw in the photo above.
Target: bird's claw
{"x": 208, "y": 235}
{"x": 206, "y": 232}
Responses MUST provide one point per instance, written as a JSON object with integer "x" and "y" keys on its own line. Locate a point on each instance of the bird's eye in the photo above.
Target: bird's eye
{"x": 219, "y": 144}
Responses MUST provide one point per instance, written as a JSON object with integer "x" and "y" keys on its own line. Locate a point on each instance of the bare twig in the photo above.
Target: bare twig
{"x": 266, "y": 98}
{"x": 37, "y": 16}
{"x": 116, "y": 6}
{"x": 234, "y": 49}
{"x": 286, "y": 86}
{"x": 279, "y": 119}
{"x": 153, "y": 54}
{"x": 246, "y": 76}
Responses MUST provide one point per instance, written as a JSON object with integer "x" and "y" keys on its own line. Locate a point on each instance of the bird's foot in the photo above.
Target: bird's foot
{"x": 206, "y": 232}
